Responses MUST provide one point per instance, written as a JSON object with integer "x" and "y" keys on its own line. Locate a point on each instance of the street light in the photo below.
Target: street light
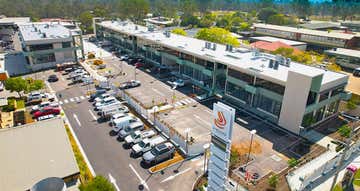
{"x": 206, "y": 147}
{"x": 155, "y": 108}
{"x": 187, "y": 130}
{"x": 252, "y": 132}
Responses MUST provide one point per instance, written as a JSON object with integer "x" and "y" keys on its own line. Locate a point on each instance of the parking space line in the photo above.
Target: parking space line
{"x": 66, "y": 101}
{"x": 92, "y": 115}
{"x": 141, "y": 180}
{"x": 82, "y": 97}
{"x": 72, "y": 100}
{"x": 177, "y": 174}
{"x": 77, "y": 119}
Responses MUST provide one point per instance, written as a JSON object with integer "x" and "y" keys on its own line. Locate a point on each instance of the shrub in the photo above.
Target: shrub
{"x": 292, "y": 162}
{"x": 91, "y": 56}
{"x": 345, "y": 131}
{"x": 98, "y": 62}
{"x": 273, "y": 180}
{"x": 99, "y": 183}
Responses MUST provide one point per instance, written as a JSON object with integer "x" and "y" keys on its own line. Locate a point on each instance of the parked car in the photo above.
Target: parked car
{"x": 356, "y": 72}
{"x": 102, "y": 97}
{"x": 35, "y": 96}
{"x": 124, "y": 57}
{"x": 105, "y": 101}
{"x": 123, "y": 122}
{"x": 42, "y": 105}
{"x": 146, "y": 145}
{"x": 130, "y": 84}
{"x": 53, "y": 78}
{"x": 45, "y": 117}
{"x": 178, "y": 83}
{"x": 47, "y": 111}
{"x": 139, "y": 65}
{"x": 138, "y": 136}
{"x": 159, "y": 153}
{"x": 97, "y": 93}
{"x": 77, "y": 72}
{"x": 133, "y": 126}
{"x": 100, "y": 108}
{"x": 107, "y": 112}
{"x": 49, "y": 96}
{"x": 117, "y": 116}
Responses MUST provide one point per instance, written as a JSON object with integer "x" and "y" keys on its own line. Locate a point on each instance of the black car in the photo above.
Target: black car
{"x": 53, "y": 78}
{"x": 130, "y": 84}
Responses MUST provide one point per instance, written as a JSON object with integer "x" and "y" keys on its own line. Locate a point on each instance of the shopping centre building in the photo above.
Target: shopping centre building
{"x": 289, "y": 94}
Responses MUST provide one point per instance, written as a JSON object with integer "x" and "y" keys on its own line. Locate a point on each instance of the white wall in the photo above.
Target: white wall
{"x": 294, "y": 101}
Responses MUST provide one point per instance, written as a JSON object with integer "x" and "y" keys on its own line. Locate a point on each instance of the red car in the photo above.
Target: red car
{"x": 47, "y": 111}
{"x": 139, "y": 65}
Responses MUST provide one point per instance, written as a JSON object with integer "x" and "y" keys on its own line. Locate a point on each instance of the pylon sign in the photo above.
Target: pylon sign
{"x": 220, "y": 146}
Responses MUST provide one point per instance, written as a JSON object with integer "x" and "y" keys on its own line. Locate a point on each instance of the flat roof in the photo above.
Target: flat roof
{"x": 34, "y": 32}
{"x": 305, "y": 31}
{"x": 35, "y": 151}
{"x": 321, "y": 25}
{"x": 14, "y": 20}
{"x": 345, "y": 52}
{"x": 274, "y": 39}
{"x": 242, "y": 59}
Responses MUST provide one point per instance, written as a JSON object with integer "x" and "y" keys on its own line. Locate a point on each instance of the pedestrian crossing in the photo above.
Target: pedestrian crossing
{"x": 184, "y": 102}
{"x": 71, "y": 100}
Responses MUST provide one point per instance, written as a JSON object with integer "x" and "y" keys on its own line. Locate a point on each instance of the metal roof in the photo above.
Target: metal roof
{"x": 305, "y": 31}
{"x": 344, "y": 52}
{"x": 35, "y": 151}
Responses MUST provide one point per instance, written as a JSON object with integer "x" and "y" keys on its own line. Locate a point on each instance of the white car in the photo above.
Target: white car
{"x": 124, "y": 57}
{"x": 178, "y": 83}
{"x": 44, "y": 104}
{"x": 45, "y": 117}
{"x": 106, "y": 101}
{"x": 49, "y": 96}
{"x": 138, "y": 136}
{"x": 102, "y": 97}
{"x": 35, "y": 96}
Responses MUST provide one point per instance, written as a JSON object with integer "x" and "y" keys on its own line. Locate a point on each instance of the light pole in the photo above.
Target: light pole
{"x": 206, "y": 147}
{"x": 187, "y": 130}
{"x": 155, "y": 110}
{"x": 252, "y": 133}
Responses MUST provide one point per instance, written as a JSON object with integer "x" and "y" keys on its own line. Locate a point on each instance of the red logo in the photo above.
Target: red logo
{"x": 220, "y": 122}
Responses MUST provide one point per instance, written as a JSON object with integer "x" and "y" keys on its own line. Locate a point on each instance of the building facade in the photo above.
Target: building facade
{"x": 345, "y": 57}
{"x": 317, "y": 40}
{"x": 46, "y": 45}
{"x": 261, "y": 83}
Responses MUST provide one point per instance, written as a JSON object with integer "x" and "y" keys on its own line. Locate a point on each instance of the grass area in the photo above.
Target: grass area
{"x": 357, "y": 178}
{"x": 85, "y": 174}
{"x": 337, "y": 188}
{"x": 20, "y": 103}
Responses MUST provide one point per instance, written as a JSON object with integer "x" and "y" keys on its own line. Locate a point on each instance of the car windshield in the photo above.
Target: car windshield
{"x": 133, "y": 135}
{"x": 127, "y": 129}
{"x": 155, "y": 151}
{"x": 179, "y": 81}
{"x": 142, "y": 144}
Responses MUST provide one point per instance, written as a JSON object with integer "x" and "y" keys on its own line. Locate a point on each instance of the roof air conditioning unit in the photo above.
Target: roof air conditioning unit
{"x": 276, "y": 65}
{"x": 288, "y": 61}
{"x": 271, "y": 63}
{"x": 214, "y": 47}
{"x": 136, "y": 27}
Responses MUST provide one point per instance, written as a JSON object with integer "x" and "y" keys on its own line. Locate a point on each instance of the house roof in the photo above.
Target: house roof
{"x": 35, "y": 151}
{"x": 272, "y": 46}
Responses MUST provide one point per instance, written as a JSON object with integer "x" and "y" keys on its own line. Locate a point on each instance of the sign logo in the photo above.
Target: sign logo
{"x": 220, "y": 122}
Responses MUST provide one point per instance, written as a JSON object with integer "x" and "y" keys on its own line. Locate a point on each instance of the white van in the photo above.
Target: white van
{"x": 102, "y": 107}
{"x": 107, "y": 112}
{"x": 146, "y": 145}
{"x": 134, "y": 126}
{"x": 117, "y": 116}
{"x": 124, "y": 122}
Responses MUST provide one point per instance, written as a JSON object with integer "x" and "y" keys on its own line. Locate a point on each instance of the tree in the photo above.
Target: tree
{"x": 16, "y": 84}
{"x": 179, "y": 31}
{"x": 273, "y": 180}
{"x": 86, "y": 21}
{"x": 301, "y": 7}
{"x": 34, "y": 85}
{"x": 136, "y": 10}
{"x": 99, "y": 183}
{"x": 267, "y": 12}
{"x": 208, "y": 20}
{"x": 217, "y": 35}
{"x": 345, "y": 131}
{"x": 292, "y": 162}
{"x": 187, "y": 20}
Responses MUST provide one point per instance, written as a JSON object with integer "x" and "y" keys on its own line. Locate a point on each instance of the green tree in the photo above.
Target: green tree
{"x": 301, "y": 7}
{"x": 187, "y": 20}
{"x": 34, "y": 85}
{"x": 217, "y": 35}
{"x": 136, "y": 10}
{"x": 188, "y": 7}
{"x": 16, "y": 84}
{"x": 85, "y": 19}
{"x": 267, "y": 12}
{"x": 292, "y": 162}
{"x": 273, "y": 180}
{"x": 207, "y": 20}
{"x": 99, "y": 183}
{"x": 179, "y": 31}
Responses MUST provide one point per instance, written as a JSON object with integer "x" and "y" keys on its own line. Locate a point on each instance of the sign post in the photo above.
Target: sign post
{"x": 220, "y": 146}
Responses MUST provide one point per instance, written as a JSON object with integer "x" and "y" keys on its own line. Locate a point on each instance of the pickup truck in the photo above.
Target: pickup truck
{"x": 146, "y": 145}
{"x": 138, "y": 136}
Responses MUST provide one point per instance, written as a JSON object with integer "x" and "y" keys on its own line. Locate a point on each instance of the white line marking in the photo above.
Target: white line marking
{"x": 82, "y": 97}
{"x": 113, "y": 181}
{"x": 66, "y": 101}
{"x": 157, "y": 91}
{"x": 178, "y": 104}
{"x": 173, "y": 176}
{"x": 199, "y": 118}
{"x": 183, "y": 102}
{"x": 72, "y": 100}
{"x": 76, "y": 119}
{"x": 60, "y": 102}
{"x": 188, "y": 100}
{"x": 77, "y": 98}
{"x": 50, "y": 88}
{"x": 92, "y": 115}
{"x": 141, "y": 180}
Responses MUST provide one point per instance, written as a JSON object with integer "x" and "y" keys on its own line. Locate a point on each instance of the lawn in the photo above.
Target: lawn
{"x": 357, "y": 178}
{"x": 85, "y": 174}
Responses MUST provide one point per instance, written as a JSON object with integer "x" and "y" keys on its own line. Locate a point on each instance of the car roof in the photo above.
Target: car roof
{"x": 136, "y": 124}
{"x": 109, "y": 98}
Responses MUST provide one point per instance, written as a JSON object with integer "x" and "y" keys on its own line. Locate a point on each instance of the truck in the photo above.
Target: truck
{"x": 132, "y": 127}
{"x": 123, "y": 122}
{"x": 138, "y": 136}
{"x": 146, "y": 145}
{"x": 117, "y": 116}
